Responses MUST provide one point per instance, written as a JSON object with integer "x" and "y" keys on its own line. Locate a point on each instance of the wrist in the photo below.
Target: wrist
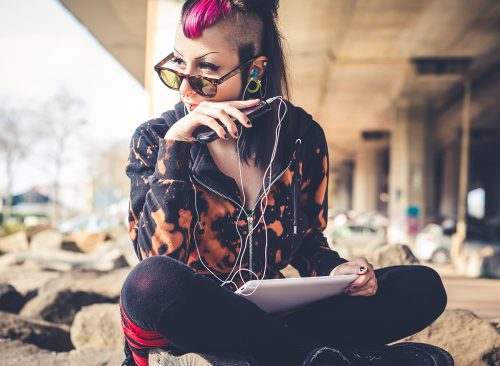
{"x": 332, "y": 273}
{"x": 174, "y": 136}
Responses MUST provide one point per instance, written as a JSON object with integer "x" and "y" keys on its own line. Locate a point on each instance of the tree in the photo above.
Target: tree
{"x": 18, "y": 137}
{"x": 62, "y": 119}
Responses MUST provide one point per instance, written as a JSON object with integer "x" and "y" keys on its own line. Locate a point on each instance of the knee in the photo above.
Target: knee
{"x": 432, "y": 285}
{"x": 154, "y": 283}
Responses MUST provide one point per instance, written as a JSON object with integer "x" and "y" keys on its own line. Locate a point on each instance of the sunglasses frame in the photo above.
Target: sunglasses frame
{"x": 159, "y": 67}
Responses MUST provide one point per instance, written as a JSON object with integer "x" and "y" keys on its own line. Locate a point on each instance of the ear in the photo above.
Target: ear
{"x": 258, "y": 67}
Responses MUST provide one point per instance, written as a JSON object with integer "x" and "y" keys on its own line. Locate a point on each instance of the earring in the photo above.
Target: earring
{"x": 256, "y": 81}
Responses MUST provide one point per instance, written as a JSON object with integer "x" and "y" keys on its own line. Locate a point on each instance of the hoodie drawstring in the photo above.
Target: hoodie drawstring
{"x": 296, "y": 182}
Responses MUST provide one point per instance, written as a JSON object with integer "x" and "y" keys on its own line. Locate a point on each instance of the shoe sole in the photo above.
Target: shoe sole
{"x": 441, "y": 357}
{"x": 160, "y": 357}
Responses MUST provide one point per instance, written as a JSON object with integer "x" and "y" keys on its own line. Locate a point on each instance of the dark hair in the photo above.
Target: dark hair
{"x": 258, "y": 16}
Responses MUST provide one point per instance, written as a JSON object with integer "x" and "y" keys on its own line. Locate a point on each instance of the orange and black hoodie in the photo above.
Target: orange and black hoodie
{"x": 162, "y": 217}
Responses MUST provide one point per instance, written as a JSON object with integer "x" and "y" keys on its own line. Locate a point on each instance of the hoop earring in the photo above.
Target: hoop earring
{"x": 257, "y": 86}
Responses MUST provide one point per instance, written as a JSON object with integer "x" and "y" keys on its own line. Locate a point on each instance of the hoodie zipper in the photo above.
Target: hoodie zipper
{"x": 250, "y": 214}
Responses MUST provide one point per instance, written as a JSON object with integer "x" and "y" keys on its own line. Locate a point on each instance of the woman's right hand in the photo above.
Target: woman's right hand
{"x": 206, "y": 113}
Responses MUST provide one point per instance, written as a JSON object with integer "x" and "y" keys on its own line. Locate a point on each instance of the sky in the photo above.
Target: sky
{"x": 45, "y": 49}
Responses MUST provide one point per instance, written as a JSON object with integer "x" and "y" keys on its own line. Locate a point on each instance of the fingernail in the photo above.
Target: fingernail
{"x": 236, "y": 134}
{"x": 249, "y": 123}
{"x": 353, "y": 286}
{"x": 226, "y": 136}
{"x": 362, "y": 269}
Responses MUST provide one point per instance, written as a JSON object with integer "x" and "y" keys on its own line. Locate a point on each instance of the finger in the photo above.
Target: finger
{"x": 347, "y": 268}
{"x": 360, "y": 281}
{"x": 238, "y": 115}
{"x": 225, "y": 119}
{"x": 367, "y": 292}
{"x": 370, "y": 283}
{"x": 213, "y": 124}
{"x": 240, "y": 104}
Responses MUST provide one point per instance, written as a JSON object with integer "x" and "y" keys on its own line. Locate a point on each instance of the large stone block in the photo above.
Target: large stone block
{"x": 392, "y": 255}
{"x": 13, "y": 243}
{"x": 98, "y": 326}
{"x": 61, "y": 305}
{"x": 46, "y": 335}
{"x": 46, "y": 239}
{"x": 470, "y": 340}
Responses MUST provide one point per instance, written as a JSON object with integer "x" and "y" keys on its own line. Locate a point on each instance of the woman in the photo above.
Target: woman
{"x": 201, "y": 230}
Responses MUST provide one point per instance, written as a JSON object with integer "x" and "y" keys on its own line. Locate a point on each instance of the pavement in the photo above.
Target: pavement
{"x": 479, "y": 295}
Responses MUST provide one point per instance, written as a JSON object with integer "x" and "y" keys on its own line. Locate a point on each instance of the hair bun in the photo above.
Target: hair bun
{"x": 258, "y": 5}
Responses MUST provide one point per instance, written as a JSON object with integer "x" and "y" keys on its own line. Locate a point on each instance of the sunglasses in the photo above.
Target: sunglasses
{"x": 204, "y": 86}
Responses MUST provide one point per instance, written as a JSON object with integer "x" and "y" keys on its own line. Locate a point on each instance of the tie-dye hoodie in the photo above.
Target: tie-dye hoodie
{"x": 166, "y": 175}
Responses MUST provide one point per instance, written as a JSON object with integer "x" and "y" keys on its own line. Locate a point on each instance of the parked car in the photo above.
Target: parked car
{"x": 92, "y": 223}
{"x": 433, "y": 243}
{"x": 355, "y": 240}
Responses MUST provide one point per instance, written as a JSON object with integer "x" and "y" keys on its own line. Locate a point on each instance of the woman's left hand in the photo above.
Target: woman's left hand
{"x": 366, "y": 283}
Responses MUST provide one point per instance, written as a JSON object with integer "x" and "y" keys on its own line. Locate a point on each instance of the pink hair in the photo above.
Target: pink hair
{"x": 202, "y": 15}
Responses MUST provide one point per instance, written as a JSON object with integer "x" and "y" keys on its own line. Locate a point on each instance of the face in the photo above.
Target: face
{"x": 212, "y": 56}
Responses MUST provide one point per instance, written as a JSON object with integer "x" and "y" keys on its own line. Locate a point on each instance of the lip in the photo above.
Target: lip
{"x": 191, "y": 106}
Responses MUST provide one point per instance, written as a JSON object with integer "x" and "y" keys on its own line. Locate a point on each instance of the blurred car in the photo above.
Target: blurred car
{"x": 92, "y": 223}
{"x": 433, "y": 243}
{"x": 355, "y": 240}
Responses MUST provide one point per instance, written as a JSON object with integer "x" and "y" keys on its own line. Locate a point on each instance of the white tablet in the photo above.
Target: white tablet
{"x": 278, "y": 295}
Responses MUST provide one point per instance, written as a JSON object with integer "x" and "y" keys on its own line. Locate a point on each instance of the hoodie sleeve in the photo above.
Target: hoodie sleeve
{"x": 160, "y": 212}
{"x": 314, "y": 257}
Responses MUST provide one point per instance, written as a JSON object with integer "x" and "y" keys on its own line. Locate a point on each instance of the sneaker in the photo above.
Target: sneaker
{"x": 404, "y": 355}
{"x": 441, "y": 357}
{"x": 160, "y": 357}
{"x": 326, "y": 356}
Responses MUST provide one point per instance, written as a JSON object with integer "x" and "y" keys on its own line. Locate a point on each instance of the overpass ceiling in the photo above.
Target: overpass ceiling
{"x": 119, "y": 26}
{"x": 349, "y": 59}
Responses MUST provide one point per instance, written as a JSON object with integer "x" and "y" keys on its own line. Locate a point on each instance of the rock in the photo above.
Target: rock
{"x": 25, "y": 278}
{"x": 59, "y": 299}
{"x": 470, "y": 340}
{"x": 14, "y": 243}
{"x": 124, "y": 243}
{"x": 98, "y": 326}
{"x": 10, "y": 300}
{"x": 107, "y": 284}
{"x": 106, "y": 258}
{"x": 83, "y": 241}
{"x": 392, "y": 255}
{"x": 16, "y": 353}
{"x": 47, "y": 239}
{"x": 43, "y": 334}
{"x": 33, "y": 230}
{"x": 61, "y": 305}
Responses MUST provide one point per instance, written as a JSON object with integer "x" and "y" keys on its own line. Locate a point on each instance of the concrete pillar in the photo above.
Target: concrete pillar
{"x": 449, "y": 182}
{"x": 367, "y": 171}
{"x": 411, "y": 172}
{"x": 341, "y": 187}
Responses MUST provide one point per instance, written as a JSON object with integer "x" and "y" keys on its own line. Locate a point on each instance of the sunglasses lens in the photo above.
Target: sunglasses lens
{"x": 202, "y": 86}
{"x": 170, "y": 79}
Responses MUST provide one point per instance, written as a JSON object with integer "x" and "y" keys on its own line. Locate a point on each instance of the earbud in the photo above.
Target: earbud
{"x": 255, "y": 73}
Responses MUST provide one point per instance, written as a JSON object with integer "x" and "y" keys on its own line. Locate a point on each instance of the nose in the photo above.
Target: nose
{"x": 186, "y": 88}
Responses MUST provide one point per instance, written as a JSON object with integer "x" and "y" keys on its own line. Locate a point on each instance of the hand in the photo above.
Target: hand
{"x": 206, "y": 113}
{"x": 365, "y": 284}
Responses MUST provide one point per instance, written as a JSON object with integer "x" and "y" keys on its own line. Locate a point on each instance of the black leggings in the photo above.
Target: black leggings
{"x": 197, "y": 315}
